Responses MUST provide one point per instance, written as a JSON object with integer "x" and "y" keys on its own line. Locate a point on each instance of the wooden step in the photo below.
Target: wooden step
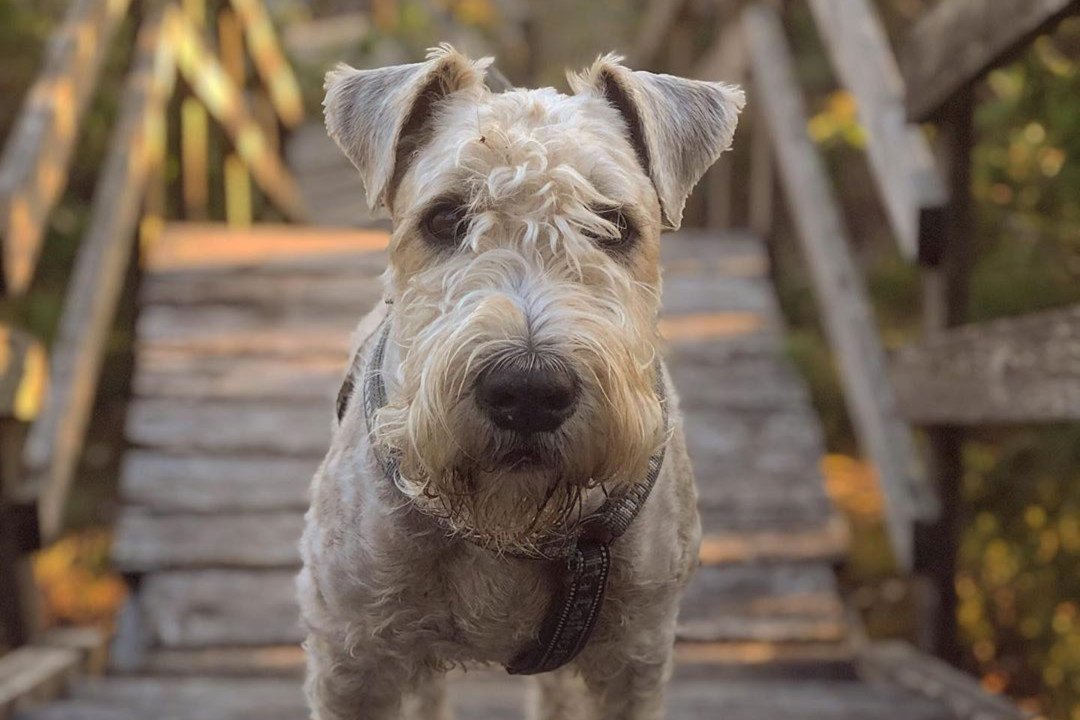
{"x": 486, "y": 696}
{"x": 287, "y": 429}
{"x": 781, "y": 603}
{"x": 211, "y": 247}
{"x": 164, "y": 483}
{"x": 176, "y": 375}
{"x": 240, "y": 330}
{"x": 243, "y": 540}
{"x": 353, "y": 289}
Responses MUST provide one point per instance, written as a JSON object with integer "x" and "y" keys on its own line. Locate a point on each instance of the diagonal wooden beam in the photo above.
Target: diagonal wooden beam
{"x": 911, "y": 188}
{"x": 270, "y": 62}
{"x": 848, "y": 316}
{"x": 55, "y": 439}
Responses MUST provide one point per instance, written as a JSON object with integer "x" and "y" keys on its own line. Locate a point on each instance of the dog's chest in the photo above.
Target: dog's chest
{"x": 493, "y": 605}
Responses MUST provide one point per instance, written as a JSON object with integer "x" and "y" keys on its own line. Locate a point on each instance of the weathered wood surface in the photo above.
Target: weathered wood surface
{"x": 903, "y": 665}
{"x": 54, "y": 442}
{"x": 32, "y": 673}
{"x": 215, "y": 487}
{"x": 958, "y": 41}
{"x": 476, "y": 695}
{"x": 1014, "y": 370}
{"x": 912, "y": 191}
{"x": 849, "y": 319}
{"x": 37, "y": 153}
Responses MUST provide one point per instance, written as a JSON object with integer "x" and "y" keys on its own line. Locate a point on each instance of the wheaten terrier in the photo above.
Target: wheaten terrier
{"x": 508, "y": 481}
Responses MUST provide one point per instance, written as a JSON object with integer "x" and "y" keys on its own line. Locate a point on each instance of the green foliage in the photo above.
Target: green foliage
{"x": 1020, "y": 579}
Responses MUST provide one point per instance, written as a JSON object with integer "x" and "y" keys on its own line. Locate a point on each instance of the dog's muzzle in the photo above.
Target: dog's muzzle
{"x": 579, "y": 561}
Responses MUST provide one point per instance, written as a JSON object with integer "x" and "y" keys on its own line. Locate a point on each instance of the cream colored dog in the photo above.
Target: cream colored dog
{"x": 506, "y": 407}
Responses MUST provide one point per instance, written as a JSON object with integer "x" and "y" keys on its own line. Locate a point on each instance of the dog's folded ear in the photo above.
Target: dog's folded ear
{"x": 678, "y": 127}
{"x": 380, "y": 117}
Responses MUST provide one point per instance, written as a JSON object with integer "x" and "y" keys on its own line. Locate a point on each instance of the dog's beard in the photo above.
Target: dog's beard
{"x": 508, "y": 490}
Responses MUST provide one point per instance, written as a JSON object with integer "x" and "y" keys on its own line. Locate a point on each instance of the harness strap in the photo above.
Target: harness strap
{"x": 581, "y": 565}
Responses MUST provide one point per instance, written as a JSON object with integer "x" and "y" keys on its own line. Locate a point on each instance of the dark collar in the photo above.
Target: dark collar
{"x": 580, "y": 560}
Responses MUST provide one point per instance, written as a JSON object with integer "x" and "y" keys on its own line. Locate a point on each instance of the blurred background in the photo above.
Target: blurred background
{"x": 1017, "y": 573}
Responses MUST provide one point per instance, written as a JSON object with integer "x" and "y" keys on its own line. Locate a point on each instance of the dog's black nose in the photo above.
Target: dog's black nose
{"x": 527, "y": 400}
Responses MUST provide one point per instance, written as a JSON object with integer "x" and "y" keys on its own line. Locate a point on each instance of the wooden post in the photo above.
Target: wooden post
{"x": 194, "y": 159}
{"x": 194, "y": 137}
{"x": 945, "y": 289}
{"x": 237, "y": 182}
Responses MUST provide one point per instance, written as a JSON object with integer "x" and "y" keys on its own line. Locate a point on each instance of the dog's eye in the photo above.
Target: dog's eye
{"x": 446, "y": 224}
{"x": 627, "y": 236}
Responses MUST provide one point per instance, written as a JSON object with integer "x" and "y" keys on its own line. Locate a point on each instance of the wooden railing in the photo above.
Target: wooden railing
{"x": 1015, "y": 370}
{"x": 173, "y": 53}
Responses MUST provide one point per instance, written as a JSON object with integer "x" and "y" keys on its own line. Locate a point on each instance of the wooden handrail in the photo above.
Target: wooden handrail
{"x": 37, "y": 154}
{"x": 848, "y": 315}
{"x": 960, "y": 40}
{"x": 912, "y": 190}
{"x": 55, "y": 439}
{"x": 1012, "y": 370}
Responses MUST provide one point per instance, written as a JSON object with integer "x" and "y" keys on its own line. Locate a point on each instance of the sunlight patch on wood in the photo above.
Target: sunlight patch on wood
{"x": 214, "y": 246}
{"x": 709, "y": 326}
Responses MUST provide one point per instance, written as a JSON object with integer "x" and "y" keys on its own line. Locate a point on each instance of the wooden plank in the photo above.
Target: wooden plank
{"x": 192, "y": 246}
{"x": 282, "y": 661}
{"x": 352, "y": 291}
{"x": 224, "y": 330}
{"x": 55, "y": 439}
{"x": 32, "y": 674}
{"x": 957, "y": 42}
{"x": 278, "y": 428}
{"x": 825, "y": 544}
{"x": 270, "y": 61}
{"x": 849, "y": 319}
{"x": 1014, "y": 370}
{"x": 207, "y": 608}
{"x": 185, "y": 376}
{"x": 213, "y": 86}
{"x": 37, "y": 153}
{"x": 771, "y": 603}
{"x": 727, "y": 661}
{"x": 902, "y": 665}
{"x": 796, "y": 700}
{"x": 912, "y": 191}
{"x": 164, "y": 483}
{"x": 253, "y": 540}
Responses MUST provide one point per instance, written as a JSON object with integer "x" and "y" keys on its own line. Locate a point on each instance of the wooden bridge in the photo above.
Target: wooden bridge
{"x": 242, "y": 334}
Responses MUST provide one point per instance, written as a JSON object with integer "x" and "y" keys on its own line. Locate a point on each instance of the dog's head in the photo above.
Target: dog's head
{"x": 524, "y": 272}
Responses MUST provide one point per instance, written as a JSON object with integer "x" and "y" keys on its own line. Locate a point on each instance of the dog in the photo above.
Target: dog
{"x": 507, "y": 481}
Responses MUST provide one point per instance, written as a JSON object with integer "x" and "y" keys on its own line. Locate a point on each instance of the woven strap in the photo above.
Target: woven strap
{"x": 582, "y": 564}
{"x": 570, "y": 620}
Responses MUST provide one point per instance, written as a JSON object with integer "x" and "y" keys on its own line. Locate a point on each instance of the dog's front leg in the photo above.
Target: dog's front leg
{"x": 347, "y": 686}
{"x": 627, "y": 678}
